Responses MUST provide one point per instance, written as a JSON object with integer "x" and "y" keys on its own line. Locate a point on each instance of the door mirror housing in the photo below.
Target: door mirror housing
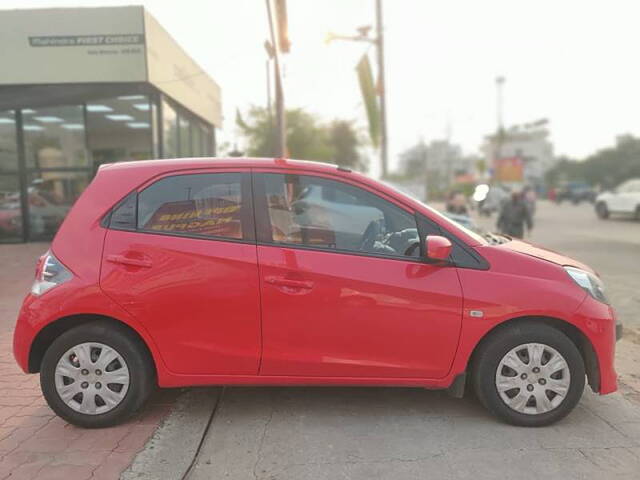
{"x": 437, "y": 248}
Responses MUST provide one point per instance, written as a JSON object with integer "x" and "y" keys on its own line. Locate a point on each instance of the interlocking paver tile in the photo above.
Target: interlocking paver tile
{"x": 34, "y": 443}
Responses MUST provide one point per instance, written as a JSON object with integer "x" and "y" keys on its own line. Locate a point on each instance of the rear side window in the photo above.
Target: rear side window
{"x": 201, "y": 205}
{"x": 124, "y": 214}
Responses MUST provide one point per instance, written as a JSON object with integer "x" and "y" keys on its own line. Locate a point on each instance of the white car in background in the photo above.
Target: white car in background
{"x": 625, "y": 199}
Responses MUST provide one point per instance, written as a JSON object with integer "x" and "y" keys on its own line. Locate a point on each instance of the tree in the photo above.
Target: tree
{"x": 307, "y": 137}
{"x": 607, "y": 167}
{"x": 344, "y": 140}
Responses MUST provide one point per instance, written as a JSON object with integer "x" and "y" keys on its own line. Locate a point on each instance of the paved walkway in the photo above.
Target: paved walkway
{"x": 36, "y": 444}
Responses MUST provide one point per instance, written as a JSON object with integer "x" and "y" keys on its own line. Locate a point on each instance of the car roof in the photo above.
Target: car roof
{"x": 170, "y": 164}
{"x": 139, "y": 171}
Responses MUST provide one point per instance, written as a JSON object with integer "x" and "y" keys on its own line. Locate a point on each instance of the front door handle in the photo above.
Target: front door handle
{"x": 133, "y": 262}
{"x": 287, "y": 282}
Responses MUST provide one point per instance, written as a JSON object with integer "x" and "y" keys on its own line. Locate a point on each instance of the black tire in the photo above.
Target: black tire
{"x": 602, "y": 211}
{"x": 140, "y": 365}
{"x": 490, "y": 353}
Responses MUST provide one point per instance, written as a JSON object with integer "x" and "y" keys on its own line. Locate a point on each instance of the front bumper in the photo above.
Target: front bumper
{"x": 599, "y": 323}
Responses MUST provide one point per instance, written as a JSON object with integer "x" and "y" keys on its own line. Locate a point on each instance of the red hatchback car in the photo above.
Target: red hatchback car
{"x": 278, "y": 272}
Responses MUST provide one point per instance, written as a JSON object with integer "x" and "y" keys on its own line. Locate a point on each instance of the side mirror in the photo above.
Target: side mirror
{"x": 437, "y": 248}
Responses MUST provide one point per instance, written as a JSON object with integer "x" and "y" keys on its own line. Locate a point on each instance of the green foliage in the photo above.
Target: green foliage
{"x": 607, "y": 167}
{"x": 307, "y": 137}
{"x": 345, "y": 142}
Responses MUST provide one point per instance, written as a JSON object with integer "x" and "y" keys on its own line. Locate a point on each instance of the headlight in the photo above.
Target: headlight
{"x": 589, "y": 282}
{"x": 50, "y": 273}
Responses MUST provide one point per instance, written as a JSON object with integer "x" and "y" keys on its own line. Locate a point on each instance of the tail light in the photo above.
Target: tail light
{"x": 50, "y": 273}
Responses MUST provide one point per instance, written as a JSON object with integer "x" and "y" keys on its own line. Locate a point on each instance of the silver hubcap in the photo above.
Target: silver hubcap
{"x": 533, "y": 378}
{"x": 92, "y": 378}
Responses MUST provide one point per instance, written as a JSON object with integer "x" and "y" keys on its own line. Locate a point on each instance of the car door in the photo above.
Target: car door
{"x": 635, "y": 199}
{"x": 180, "y": 257}
{"x": 619, "y": 201}
{"x": 343, "y": 300}
{"x": 631, "y": 196}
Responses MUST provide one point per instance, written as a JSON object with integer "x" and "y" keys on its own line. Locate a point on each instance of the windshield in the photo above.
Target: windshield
{"x": 444, "y": 219}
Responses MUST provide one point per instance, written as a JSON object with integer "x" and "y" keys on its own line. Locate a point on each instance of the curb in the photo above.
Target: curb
{"x": 170, "y": 451}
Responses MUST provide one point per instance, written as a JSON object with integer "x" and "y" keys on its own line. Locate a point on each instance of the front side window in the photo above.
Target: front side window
{"x": 317, "y": 212}
{"x": 635, "y": 186}
{"x": 202, "y": 205}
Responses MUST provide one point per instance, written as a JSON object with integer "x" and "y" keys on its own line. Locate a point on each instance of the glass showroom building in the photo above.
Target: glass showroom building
{"x": 85, "y": 86}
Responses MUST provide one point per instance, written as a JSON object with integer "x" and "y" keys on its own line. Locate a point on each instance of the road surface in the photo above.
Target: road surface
{"x": 401, "y": 433}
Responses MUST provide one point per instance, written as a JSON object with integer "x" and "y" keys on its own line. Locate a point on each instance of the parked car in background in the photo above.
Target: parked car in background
{"x": 575, "y": 192}
{"x": 625, "y": 199}
{"x": 188, "y": 272}
{"x": 46, "y": 213}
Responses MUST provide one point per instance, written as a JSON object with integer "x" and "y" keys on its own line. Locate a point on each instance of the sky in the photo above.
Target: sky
{"x": 574, "y": 62}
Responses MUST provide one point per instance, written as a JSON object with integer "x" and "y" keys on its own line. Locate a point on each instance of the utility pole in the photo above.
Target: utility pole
{"x": 499, "y": 117}
{"x": 499, "y": 102}
{"x": 281, "y": 126}
{"x": 268, "y": 72}
{"x": 383, "y": 89}
{"x": 425, "y": 161}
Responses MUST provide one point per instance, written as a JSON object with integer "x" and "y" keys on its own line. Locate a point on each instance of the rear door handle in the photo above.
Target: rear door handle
{"x": 134, "y": 262}
{"x": 287, "y": 282}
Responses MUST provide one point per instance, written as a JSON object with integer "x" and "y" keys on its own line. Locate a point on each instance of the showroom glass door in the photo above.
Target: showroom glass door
{"x": 10, "y": 203}
{"x": 57, "y": 166}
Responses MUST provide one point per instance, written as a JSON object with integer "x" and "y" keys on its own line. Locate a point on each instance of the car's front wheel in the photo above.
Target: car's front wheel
{"x": 529, "y": 374}
{"x": 96, "y": 375}
{"x": 602, "y": 211}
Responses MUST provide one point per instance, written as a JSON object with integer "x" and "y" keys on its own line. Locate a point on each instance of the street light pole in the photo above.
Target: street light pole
{"x": 499, "y": 102}
{"x": 383, "y": 90}
{"x": 363, "y": 36}
{"x": 499, "y": 118}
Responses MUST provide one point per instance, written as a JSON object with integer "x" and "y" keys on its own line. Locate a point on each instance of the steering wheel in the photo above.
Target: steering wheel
{"x": 299, "y": 207}
{"x": 369, "y": 236}
{"x": 412, "y": 248}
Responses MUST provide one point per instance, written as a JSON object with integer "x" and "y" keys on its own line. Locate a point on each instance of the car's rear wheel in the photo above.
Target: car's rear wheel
{"x": 529, "y": 374}
{"x": 602, "y": 210}
{"x": 96, "y": 375}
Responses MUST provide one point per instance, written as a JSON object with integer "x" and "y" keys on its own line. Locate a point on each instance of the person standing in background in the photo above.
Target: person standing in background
{"x": 457, "y": 204}
{"x": 514, "y": 215}
{"x": 530, "y": 197}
